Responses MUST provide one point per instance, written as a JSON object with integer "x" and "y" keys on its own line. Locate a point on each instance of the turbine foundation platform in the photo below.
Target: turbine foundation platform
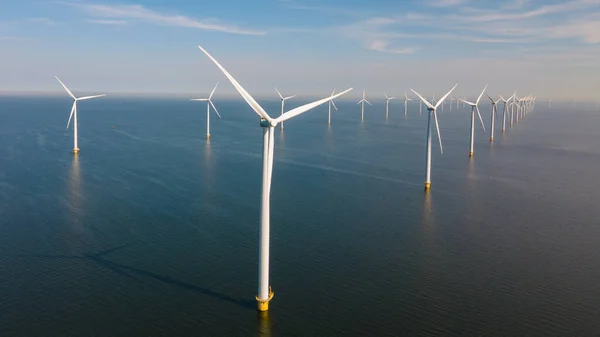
{"x": 263, "y": 305}
{"x": 470, "y": 154}
{"x": 427, "y": 186}
{"x": 208, "y": 136}
{"x": 76, "y": 151}
{"x": 491, "y": 139}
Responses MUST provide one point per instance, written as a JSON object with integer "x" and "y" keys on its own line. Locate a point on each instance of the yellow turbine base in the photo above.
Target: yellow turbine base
{"x": 208, "y": 136}
{"x": 491, "y": 139}
{"x": 263, "y": 305}
{"x": 427, "y": 186}
{"x": 76, "y": 151}
{"x": 470, "y": 154}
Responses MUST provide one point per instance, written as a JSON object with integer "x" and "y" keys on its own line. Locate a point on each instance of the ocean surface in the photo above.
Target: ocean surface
{"x": 153, "y": 231}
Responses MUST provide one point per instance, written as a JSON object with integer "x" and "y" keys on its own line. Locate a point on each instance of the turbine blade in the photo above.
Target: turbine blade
{"x": 64, "y": 86}
{"x": 249, "y": 99}
{"x": 88, "y": 97}
{"x": 333, "y": 92}
{"x": 333, "y": 103}
{"x": 71, "y": 115}
{"x": 289, "y": 97}
{"x": 299, "y": 110}
{"x": 437, "y": 127}
{"x": 369, "y": 103}
{"x": 423, "y": 99}
{"x": 199, "y": 99}
{"x": 386, "y": 96}
{"x": 491, "y": 99}
{"x": 502, "y": 98}
{"x": 479, "y": 98}
{"x": 213, "y": 91}
{"x": 392, "y": 97}
{"x": 480, "y": 119}
{"x": 278, "y": 93}
{"x": 446, "y": 95}
{"x": 214, "y": 107}
{"x": 470, "y": 103}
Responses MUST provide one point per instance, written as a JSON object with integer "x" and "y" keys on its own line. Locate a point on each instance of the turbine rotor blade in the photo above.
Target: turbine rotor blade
{"x": 437, "y": 127}
{"x": 301, "y": 109}
{"x": 470, "y": 103}
{"x": 333, "y": 103}
{"x": 89, "y": 97}
{"x": 199, "y": 99}
{"x": 477, "y": 102}
{"x": 71, "y": 115}
{"x": 423, "y": 99}
{"x": 446, "y": 95}
{"x": 369, "y": 103}
{"x": 214, "y": 107}
{"x": 249, "y": 99}
{"x": 64, "y": 86}
{"x": 213, "y": 91}
{"x": 278, "y": 93}
{"x": 480, "y": 119}
{"x": 289, "y": 97}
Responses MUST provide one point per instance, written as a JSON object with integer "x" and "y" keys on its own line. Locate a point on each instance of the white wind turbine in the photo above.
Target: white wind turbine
{"x": 406, "y": 99}
{"x": 209, "y": 103}
{"x": 74, "y": 113}
{"x": 474, "y": 106}
{"x": 505, "y": 101}
{"x": 268, "y": 124}
{"x": 432, "y": 111}
{"x": 363, "y": 101}
{"x": 330, "y": 104}
{"x": 494, "y": 110}
{"x": 387, "y": 104}
{"x": 283, "y": 99}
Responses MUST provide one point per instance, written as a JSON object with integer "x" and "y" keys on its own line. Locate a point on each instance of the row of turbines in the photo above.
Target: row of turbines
{"x": 516, "y": 107}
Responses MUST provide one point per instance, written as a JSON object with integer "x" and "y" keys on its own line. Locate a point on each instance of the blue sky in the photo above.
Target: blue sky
{"x": 304, "y": 47}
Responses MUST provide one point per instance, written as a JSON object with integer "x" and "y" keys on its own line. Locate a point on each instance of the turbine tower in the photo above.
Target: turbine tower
{"x": 432, "y": 111}
{"x": 283, "y": 99}
{"x": 208, "y": 105}
{"x": 387, "y": 104}
{"x": 474, "y": 106}
{"x": 363, "y": 101}
{"x": 268, "y": 124}
{"x": 504, "y": 111}
{"x": 74, "y": 113}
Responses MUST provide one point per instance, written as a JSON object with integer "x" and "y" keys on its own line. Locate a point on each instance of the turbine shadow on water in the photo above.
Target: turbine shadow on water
{"x": 130, "y": 272}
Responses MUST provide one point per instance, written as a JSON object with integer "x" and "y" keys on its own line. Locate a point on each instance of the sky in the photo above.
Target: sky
{"x": 547, "y": 48}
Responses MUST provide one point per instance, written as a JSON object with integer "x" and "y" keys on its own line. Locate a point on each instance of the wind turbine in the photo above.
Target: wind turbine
{"x": 208, "y": 105}
{"x": 283, "y": 99}
{"x": 363, "y": 101}
{"x": 504, "y": 111}
{"x": 474, "y": 106}
{"x": 268, "y": 124}
{"x": 74, "y": 113}
{"x": 330, "y": 104}
{"x": 494, "y": 110}
{"x": 387, "y": 104}
{"x": 406, "y": 99}
{"x": 432, "y": 111}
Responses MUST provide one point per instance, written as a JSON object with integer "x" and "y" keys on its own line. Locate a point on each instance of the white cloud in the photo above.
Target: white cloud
{"x": 383, "y": 46}
{"x": 108, "y": 22}
{"x": 143, "y": 14}
{"x": 446, "y": 3}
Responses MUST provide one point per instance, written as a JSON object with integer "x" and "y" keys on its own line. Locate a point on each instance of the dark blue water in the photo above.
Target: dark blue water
{"x": 152, "y": 231}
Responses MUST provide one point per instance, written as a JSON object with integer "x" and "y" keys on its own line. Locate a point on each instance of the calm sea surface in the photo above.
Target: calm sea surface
{"x": 153, "y": 231}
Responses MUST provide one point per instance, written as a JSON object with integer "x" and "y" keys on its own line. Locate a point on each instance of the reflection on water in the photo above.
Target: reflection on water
{"x": 264, "y": 324}
{"x": 75, "y": 197}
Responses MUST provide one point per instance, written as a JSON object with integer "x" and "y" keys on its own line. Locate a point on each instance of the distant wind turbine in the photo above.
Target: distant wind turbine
{"x": 432, "y": 111}
{"x": 406, "y": 99}
{"x": 268, "y": 124}
{"x": 363, "y": 101}
{"x": 494, "y": 110}
{"x": 283, "y": 99}
{"x": 474, "y": 106}
{"x": 74, "y": 113}
{"x": 209, "y": 103}
{"x": 330, "y": 104}
{"x": 387, "y": 104}
{"x": 504, "y": 111}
